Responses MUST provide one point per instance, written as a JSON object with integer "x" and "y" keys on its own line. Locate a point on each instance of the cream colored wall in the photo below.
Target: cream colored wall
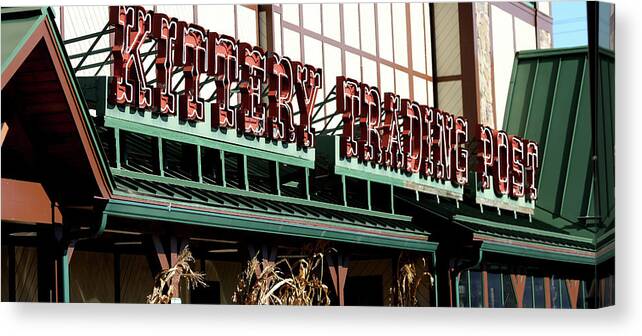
{"x": 83, "y": 20}
{"x": 525, "y": 38}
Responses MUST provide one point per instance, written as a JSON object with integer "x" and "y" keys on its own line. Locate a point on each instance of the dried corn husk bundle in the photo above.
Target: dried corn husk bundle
{"x": 410, "y": 275}
{"x": 298, "y": 284}
{"x": 164, "y": 288}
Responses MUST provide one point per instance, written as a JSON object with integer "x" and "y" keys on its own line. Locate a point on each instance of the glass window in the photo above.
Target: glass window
{"x": 353, "y": 66}
{"x": 387, "y": 76}
{"x": 217, "y": 18}
{"x": 420, "y": 90}
{"x": 476, "y": 289}
{"x": 331, "y": 69}
{"x": 556, "y": 301}
{"x": 369, "y": 71}
{"x": 399, "y": 30}
{"x": 431, "y": 94}
{"x": 510, "y": 299}
{"x": 401, "y": 78}
{"x": 312, "y": 17}
{"x": 181, "y": 12}
{"x": 313, "y": 52}
{"x": 539, "y": 292}
{"x": 428, "y": 41}
{"x": 463, "y": 289}
{"x": 366, "y": 15}
{"x": 565, "y": 298}
{"x": 292, "y": 44}
{"x": 331, "y": 25}
{"x": 384, "y": 22}
{"x": 418, "y": 39}
{"x": 495, "y": 290}
{"x": 277, "y": 33}
{"x": 351, "y": 25}
{"x": 290, "y": 13}
{"x": 246, "y": 20}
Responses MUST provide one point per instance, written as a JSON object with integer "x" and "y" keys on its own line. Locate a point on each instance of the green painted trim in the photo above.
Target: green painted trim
{"x": 462, "y": 219}
{"x": 436, "y": 277}
{"x": 145, "y": 211}
{"x": 254, "y": 194}
{"x": 553, "y": 52}
{"x": 82, "y": 102}
{"x": 534, "y": 253}
{"x": 169, "y": 134}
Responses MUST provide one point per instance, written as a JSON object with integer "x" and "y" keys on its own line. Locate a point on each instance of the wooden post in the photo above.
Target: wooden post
{"x": 547, "y": 291}
{"x": 519, "y": 284}
{"x": 573, "y": 287}
{"x": 339, "y": 273}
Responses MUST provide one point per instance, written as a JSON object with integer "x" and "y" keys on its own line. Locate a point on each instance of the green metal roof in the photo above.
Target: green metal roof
{"x": 549, "y": 102}
{"x": 211, "y": 205}
{"x": 17, "y": 26}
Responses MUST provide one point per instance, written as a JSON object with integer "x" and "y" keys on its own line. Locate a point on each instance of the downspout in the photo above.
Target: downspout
{"x": 97, "y": 229}
{"x": 465, "y": 268}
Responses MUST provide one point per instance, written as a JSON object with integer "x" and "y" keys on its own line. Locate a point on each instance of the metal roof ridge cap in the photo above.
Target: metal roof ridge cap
{"x": 552, "y": 52}
{"x": 522, "y": 229}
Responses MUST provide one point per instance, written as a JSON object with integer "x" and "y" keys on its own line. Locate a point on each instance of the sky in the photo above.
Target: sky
{"x": 569, "y": 24}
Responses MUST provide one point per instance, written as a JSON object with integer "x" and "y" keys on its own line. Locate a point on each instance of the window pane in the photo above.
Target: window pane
{"x": 292, "y": 44}
{"x": 369, "y": 71}
{"x": 494, "y": 290}
{"x": 399, "y": 29}
{"x": 181, "y": 12}
{"x": 313, "y": 52}
{"x": 312, "y": 17}
{"x": 540, "y": 294}
{"x": 428, "y": 40}
{"x": 385, "y": 31}
{"x": 401, "y": 78}
{"x": 331, "y": 69}
{"x": 555, "y": 293}
{"x": 353, "y": 66}
{"x": 420, "y": 91}
{"x": 217, "y": 18}
{"x": 331, "y": 25}
{"x": 387, "y": 76}
{"x": 277, "y": 33}
{"x": 463, "y": 289}
{"x": 565, "y": 297}
{"x": 418, "y": 39}
{"x": 476, "y": 290}
{"x": 246, "y": 21}
{"x": 351, "y": 25}
{"x": 290, "y": 13}
{"x": 368, "y": 43}
{"x": 510, "y": 300}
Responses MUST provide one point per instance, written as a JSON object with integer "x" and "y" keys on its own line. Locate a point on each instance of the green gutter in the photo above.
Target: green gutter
{"x": 535, "y": 253}
{"x": 467, "y": 219}
{"x": 146, "y": 211}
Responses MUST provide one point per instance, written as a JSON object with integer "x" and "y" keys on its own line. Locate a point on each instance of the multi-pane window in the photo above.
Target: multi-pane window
{"x": 383, "y": 45}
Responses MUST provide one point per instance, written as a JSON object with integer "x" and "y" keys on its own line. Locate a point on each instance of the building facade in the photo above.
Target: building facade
{"x": 93, "y": 216}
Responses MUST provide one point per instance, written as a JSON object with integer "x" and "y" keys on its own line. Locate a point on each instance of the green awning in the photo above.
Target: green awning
{"x": 148, "y": 197}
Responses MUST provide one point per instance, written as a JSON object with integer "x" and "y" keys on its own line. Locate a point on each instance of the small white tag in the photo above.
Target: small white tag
{"x": 176, "y": 301}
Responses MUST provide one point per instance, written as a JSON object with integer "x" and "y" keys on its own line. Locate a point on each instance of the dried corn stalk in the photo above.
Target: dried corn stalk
{"x": 403, "y": 293}
{"x": 164, "y": 288}
{"x": 300, "y": 283}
